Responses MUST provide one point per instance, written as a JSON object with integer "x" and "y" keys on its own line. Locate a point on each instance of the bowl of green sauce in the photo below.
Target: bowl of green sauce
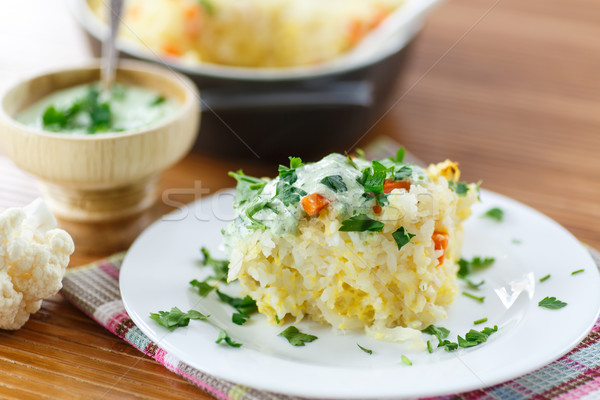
{"x": 98, "y": 153}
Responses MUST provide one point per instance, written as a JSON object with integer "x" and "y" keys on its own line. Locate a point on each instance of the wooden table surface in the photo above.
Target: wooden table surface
{"x": 508, "y": 88}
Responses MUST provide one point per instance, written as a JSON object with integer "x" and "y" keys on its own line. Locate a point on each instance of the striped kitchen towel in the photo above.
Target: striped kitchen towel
{"x": 95, "y": 290}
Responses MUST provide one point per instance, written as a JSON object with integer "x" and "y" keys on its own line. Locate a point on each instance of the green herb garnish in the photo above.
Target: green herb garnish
{"x": 239, "y": 318}
{"x": 220, "y": 267}
{"x": 288, "y": 194}
{"x": 429, "y": 347}
{"x": 223, "y": 336}
{"x": 472, "y": 296}
{"x": 544, "y": 278}
{"x": 203, "y": 287}
{"x": 365, "y": 350}
{"x": 577, "y": 271}
{"x": 295, "y": 337}
{"x": 551, "y": 303}
{"x": 440, "y": 332}
{"x": 361, "y": 223}
{"x": 472, "y": 284}
{"x": 460, "y": 188}
{"x": 480, "y": 321}
{"x": 403, "y": 173}
{"x": 405, "y": 360}
{"x": 494, "y": 213}
{"x": 402, "y": 237}
{"x": 248, "y": 187}
{"x": 158, "y": 100}
{"x": 252, "y": 210}
{"x": 98, "y": 115}
{"x": 465, "y": 267}
{"x": 244, "y": 305}
{"x": 399, "y": 155}
{"x": 176, "y": 318}
{"x": 335, "y": 183}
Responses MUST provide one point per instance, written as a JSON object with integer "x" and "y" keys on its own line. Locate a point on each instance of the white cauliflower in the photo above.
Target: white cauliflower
{"x": 33, "y": 259}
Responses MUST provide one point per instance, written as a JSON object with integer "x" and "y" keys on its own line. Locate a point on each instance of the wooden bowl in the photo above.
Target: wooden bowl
{"x": 105, "y": 176}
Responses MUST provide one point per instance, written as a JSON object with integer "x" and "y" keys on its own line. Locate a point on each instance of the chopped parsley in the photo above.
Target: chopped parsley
{"x": 460, "y": 188}
{"x": 97, "y": 116}
{"x": 472, "y": 338}
{"x": 480, "y": 299}
{"x": 551, "y": 303}
{"x": 494, "y": 213}
{"x": 361, "y": 223}
{"x": 429, "y": 347}
{"x": 440, "y": 332}
{"x": 465, "y": 267}
{"x": 220, "y": 267}
{"x": 399, "y": 155}
{"x": 288, "y": 174}
{"x": 244, "y": 305}
{"x": 364, "y": 349}
{"x": 248, "y": 187}
{"x": 405, "y": 360}
{"x": 472, "y": 284}
{"x": 577, "y": 271}
{"x": 239, "y": 318}
{"x": 544, "y": 278}
{"x": 402, "y": 237}
{"x": 252, "y": 210}
{"x": 223, "y": 336}
{"x": 176, "y": 318}
{"x": 335, "y": 183}
{"x": 157, "y": 100}
{"x": 288, "y": 194}
{"x": 204, "y": 288}
{"x": 295, "y": 337}
{"x": 403, "y": 173}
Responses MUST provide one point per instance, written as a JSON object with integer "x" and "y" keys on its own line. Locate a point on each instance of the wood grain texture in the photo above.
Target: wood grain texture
{"x": 507, "y": 88}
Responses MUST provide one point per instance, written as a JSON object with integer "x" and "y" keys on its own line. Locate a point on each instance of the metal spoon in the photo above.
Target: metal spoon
{"x": 109, "y": 50}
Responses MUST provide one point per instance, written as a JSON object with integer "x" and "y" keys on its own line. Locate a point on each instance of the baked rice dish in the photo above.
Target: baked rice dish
{"x": 352, "y": 243}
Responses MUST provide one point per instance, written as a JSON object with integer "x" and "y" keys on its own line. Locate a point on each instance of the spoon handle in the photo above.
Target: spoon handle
{"x": 109, "y": 50}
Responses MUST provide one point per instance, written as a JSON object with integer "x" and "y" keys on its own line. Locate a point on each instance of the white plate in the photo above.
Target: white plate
{"x": 526, "y": 245}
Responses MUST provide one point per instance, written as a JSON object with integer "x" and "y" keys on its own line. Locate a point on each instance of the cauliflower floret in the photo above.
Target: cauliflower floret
{"x": 33, "y": 259}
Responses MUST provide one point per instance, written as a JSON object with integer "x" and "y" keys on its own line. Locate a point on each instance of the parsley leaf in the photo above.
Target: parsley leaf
{"x": 157, "y": 100}
{"x": 223, "y": 336}
{"x": 239, "y": 318}
{"x": 295, "y": 337}
{"x": 252, "y": 210}
{"x": 440, "y": 332}
{"x": 203, "y": 287}
{"x": 364, "y": 349}
{"x": 288, "y": 194}
{"x": 248, "y": 187}
{"x": 289, "y": 174}
{"x": 551, "y": 303}
{"x": 176, "y": 318}
{"x": 460, "y": 188}
{"x": 220, "y": 267}
{"x": 361, "y": 223}
{"x": 372, "y": 178}
{"x": 402, "y": 237}
{"x": 494, "y": 213}
{"x": 465, "y": 267}
{"x": 400, "y": 155}
{"x": 403, "y": 173}
{"x": 335, "y": 183}
{"x": 244, "y": 305}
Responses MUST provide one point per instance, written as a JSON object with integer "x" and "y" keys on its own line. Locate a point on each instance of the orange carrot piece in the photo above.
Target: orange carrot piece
{"x": 377, "y": 209}
{"x": 389, "y": 185}
{"x": 314, "y": 203}
{"x": 171, "y": 49}
{"x": 440, "y": 241}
